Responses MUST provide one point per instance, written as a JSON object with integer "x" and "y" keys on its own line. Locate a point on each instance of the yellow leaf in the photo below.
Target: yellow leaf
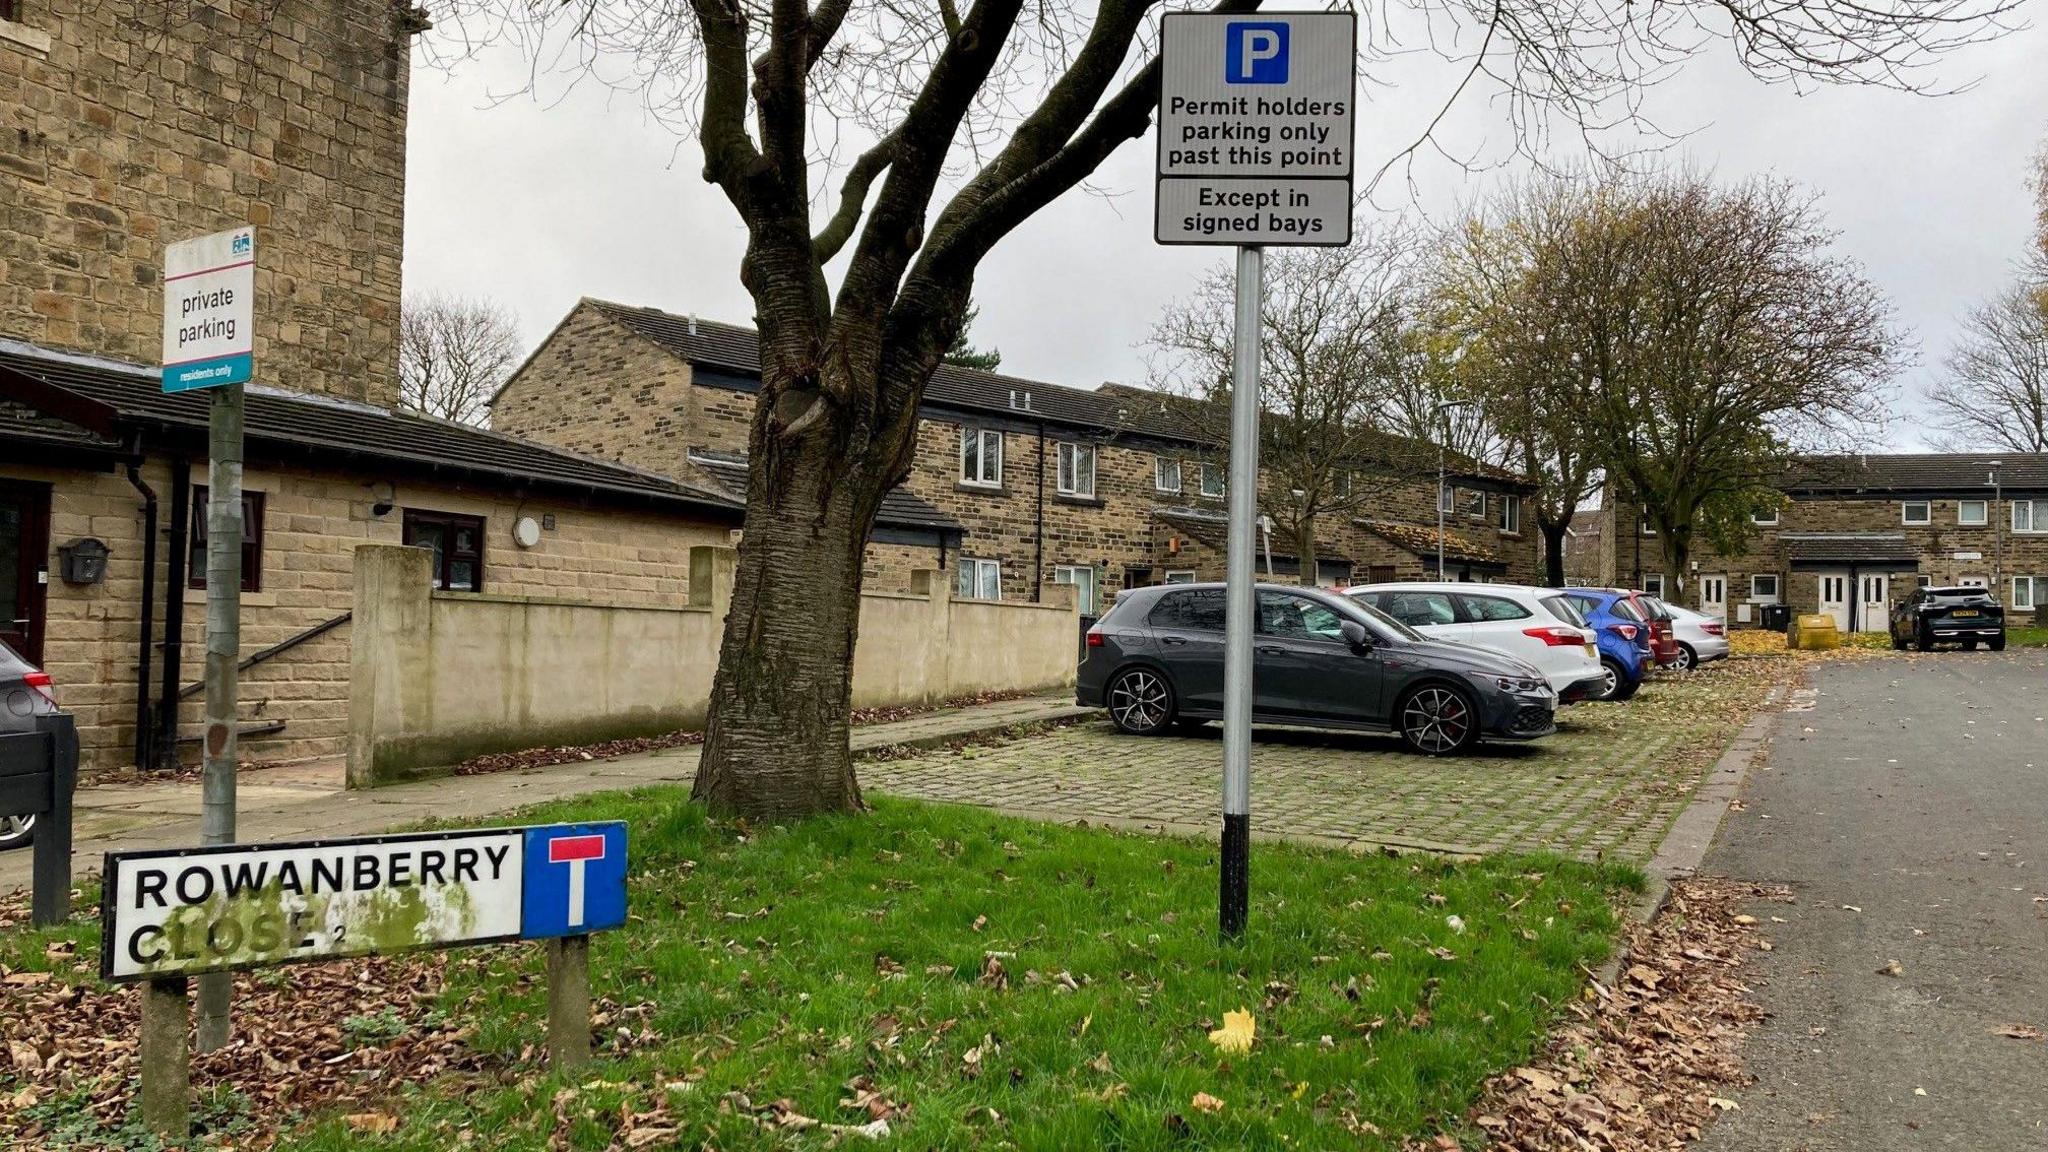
{"x": 1203, "y": 1102}
{"x": 371, "y": 1121}
{"x": 1300, "y": 1090}
{"x": 1237, "y": 1032}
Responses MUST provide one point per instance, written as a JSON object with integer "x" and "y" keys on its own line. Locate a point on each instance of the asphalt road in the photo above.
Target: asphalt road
{"x": 1907, "y": 809}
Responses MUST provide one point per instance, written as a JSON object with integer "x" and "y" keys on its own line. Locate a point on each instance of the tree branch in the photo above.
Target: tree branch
{"x": 853, "y": 197}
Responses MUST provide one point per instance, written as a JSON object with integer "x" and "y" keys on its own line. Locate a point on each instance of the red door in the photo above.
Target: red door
{"x": 24, "y": 560}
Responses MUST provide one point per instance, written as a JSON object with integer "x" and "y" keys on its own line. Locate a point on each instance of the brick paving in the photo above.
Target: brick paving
{"x": 1609, "y": 783}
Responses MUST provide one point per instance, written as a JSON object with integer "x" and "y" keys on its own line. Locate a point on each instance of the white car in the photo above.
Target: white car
{"x": 1540, "y": 626}
{"x": 1702, "y": 639}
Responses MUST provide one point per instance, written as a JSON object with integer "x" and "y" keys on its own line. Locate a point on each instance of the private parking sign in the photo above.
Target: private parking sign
{"x": 575, "y": 880}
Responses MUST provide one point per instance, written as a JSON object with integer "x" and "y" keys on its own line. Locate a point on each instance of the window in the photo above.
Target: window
{"x": 1971, "y": 512}
{"x": 1764, "y": 587}
{"x": 1082, "y": 578}
{"x": 1180, "y": 576}
{"x": 1766, "y": 519}
{"x": 1916, "y": 512}
{"x": 1077, "y": 470}
{"x": 2030, "y": 515}
{"x": 1165, "y": 474}
{"x": 2024, "y": 589}
{"x": 10, "y": 10}
{"x": 1212, "y": 480}
{"x": 1446, "y": 499}
{"x": 458, "y": 546}
{"x": 1189, "y": 611}
{"x": 1923, "y": 581}
{"x": 1342, "y": 484}
{"x": 1473, "y": 503}
{"x": 981, "y": 457}
{"x": 1644, "y": 526}
{"x": 1510, "y": 520}
{"x": 1415, "y": 609}
{"x": 1297, "y": 618}
{"x": 1489, "y": 608}
{"x": 252, "y": 539}
{"x": 978, "y": 579}
{"x": 1653, "y": 583}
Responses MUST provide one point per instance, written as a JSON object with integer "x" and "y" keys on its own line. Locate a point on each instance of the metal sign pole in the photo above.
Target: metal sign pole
{"x": 1239, "y": 597}
{"x": 223, "y": 650}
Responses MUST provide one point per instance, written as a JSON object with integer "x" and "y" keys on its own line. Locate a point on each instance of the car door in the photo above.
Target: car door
{"x": 1306, "y": 669}
{"x": 1187, "y": 628}
{"x": 1497, "y": 622}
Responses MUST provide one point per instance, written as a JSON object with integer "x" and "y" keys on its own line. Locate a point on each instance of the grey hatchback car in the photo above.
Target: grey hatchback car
{"x": 1321, "y": 660}
{"x": 24, "y": 695}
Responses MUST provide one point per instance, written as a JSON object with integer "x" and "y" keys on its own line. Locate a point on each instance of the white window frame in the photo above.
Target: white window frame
{"x": 1765, "y": 519}
{"x": 1983, "y": 513}
{"x": 1770, "y": 597}
{"x": 1446, "y": 499}
{"x": 1510, "y": 519}
{"x": 966, "y": 588}
{"x": 981, "y": 438}
{"x": 1222, "y": 481}
{"x": 1643, "y": 525}
{"x": 1179, "y": 576}
{"x": 2036, "y": 522}
{"x": 1162, "y": 467}
{"x": 1923, "y": 581}
{"x": 1906, "y": 513}
{"x": 1071, "y": 453}
{"x": 1478, "y": 511}
{"x": 2024, "y": 604}
{"x": 1089, "y": 588}
{"x": 1653, "y": 583}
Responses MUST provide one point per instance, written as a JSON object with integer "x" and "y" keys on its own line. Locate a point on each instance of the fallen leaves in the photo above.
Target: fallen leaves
{"x": 1644, "y": 1065}
{"x": 1237, "y": 1033}
{"x": 1205, "y": 1103}
{"x": 1892, "y": 968}
{"x": 377, "y": 1122}
{"x": 2017, "y": 1031}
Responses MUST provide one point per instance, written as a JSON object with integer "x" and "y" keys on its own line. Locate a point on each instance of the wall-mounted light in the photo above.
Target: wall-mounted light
{"x": 383, "y": 497}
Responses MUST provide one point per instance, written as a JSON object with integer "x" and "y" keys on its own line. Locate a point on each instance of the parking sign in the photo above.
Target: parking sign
{"x": 1255, "y": 128}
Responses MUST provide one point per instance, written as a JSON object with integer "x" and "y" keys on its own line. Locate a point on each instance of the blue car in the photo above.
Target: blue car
{"x": 1623, "y": 637}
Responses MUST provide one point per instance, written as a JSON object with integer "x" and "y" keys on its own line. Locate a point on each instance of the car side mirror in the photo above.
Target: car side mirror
{"x": 1355, "y": 635}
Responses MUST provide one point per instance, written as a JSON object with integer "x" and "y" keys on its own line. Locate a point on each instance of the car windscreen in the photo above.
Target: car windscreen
{"x": 1564, "y": 608}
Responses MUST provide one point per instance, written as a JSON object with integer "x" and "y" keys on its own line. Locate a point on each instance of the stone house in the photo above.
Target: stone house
{"x": 1015, "y": 483}
{"x": 1856, "y": 533}
{"x": 123, "y": 129}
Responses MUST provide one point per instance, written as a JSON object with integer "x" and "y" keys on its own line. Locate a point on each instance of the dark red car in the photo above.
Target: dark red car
{"x": 1664, "y": 647}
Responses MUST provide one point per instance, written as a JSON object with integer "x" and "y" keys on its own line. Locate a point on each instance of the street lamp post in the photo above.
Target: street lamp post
{"x": 1443, "y": 411}
{"x": 1997, "y": 528}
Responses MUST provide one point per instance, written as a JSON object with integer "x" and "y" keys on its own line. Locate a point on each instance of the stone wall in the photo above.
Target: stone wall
{"x": 312, "y": 524}
{"x": 126, "y": 125}
{"x": 438, "y": 677}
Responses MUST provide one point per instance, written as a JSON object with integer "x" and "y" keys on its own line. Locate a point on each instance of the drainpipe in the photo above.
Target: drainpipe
{"x": 174, "y": 614}
{"x": 1038, "y": 525}
{"x": 142, "y": 725}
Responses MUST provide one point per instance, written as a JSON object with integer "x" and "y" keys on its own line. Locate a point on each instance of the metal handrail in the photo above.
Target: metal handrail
{"x": 282, "y": 646}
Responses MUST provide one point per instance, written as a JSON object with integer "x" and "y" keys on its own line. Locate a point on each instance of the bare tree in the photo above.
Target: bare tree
{"x": 1329, "y": 342}
{"x": 1724, "y": 338}
{"x": 1005, "y": 107}
{"x": 453, "y": 353}
{"x": 2040, "y": 253}
{"x": 1996, "y": 393}
{"x": 1518, "y": 292}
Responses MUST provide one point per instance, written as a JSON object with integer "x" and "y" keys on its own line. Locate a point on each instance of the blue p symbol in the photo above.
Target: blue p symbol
{"x": 1255, "y": 52}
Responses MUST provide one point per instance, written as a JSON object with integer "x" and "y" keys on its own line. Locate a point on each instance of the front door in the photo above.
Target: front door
{"x": 1874, "y": 614}
{"x": 1834, "y": 597}
{"x": 1306, "y": 669}
{"x": 24, "y": 566}
{"x": 1714, "y": 597}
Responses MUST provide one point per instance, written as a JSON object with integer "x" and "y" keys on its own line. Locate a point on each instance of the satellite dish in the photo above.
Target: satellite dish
{"x": 526, "y": 532}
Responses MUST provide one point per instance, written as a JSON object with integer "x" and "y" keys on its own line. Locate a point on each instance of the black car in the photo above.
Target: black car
{"x": 1966, "y": 615}
{"x": 1322, "y": 660}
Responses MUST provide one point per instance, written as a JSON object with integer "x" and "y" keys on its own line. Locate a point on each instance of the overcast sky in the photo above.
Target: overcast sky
{"x": 539, "y": 203}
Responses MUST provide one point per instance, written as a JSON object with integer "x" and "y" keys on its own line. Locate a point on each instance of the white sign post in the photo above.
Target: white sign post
{"x": 1255, "y": 143}
{"x": 210, "y": 342}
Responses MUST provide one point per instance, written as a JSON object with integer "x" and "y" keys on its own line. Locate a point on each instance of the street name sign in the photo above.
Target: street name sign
{"x": 209, "y": 294}
{"x": 179, "y": 912}
{"x": 1256, "y": 116}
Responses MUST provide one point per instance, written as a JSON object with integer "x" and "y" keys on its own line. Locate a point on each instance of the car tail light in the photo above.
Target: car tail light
{"x": 1713, "y": 629}
{"x": 1625, "y": 631}
{"x": 1094, "y": 638}
{"x": 1557, "y": 637}
{"x": 40, "y": 681}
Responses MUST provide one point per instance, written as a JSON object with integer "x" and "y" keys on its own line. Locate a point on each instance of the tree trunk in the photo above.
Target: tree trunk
{"x": 1553, "y": 551}
{"x": 775, "y": 747}
{"x": 1305, "y": 551}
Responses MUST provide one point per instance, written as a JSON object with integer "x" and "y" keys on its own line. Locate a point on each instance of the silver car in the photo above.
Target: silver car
{"x": 24, "y": 695}
{"x": 1702, "y": 639}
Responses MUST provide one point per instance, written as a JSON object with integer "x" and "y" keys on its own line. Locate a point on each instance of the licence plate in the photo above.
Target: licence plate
{"x": 1593, "y": 651}
{"x": 1964, "y": 612}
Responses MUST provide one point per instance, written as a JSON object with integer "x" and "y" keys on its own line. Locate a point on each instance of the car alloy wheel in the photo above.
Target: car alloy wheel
{"x": 1436, "y": 720}
{"x": 1686, "y": 661}
{"x": 1140, "y": 703}
{"x": 1610, "y": 682}
{"x": 16, "y": 831}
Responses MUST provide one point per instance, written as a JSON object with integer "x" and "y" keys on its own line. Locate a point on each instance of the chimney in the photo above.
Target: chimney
{"x": 693, "y": 323}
